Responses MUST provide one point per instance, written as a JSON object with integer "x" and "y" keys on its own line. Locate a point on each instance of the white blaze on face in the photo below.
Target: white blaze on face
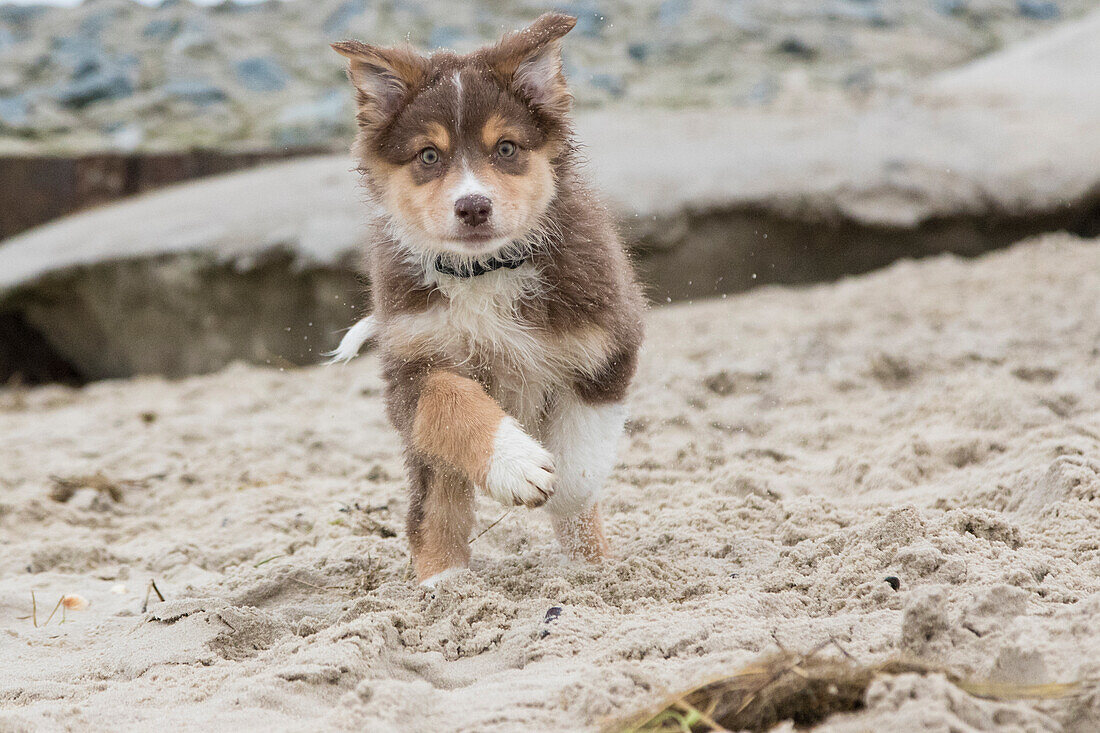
{"x": 470, "y": 185}
{"x": 458, "y": 100}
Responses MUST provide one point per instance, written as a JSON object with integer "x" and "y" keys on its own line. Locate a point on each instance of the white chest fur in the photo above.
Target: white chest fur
{"x": 478, "y": 326}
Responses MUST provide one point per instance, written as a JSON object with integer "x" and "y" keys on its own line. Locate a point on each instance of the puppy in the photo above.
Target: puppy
{"x": 504, "y": 307}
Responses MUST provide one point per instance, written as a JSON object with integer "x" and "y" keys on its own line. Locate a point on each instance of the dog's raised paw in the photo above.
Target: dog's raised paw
{"x": 520, "y": 471}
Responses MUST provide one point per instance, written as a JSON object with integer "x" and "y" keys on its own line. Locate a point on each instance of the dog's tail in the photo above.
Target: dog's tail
{"x": 353, "y": 340}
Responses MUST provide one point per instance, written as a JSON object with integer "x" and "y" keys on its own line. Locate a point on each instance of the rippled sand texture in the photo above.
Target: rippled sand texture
{"x": 938, "y": 422}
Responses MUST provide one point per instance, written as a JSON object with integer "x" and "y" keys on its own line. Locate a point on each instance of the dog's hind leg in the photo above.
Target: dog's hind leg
{"x": 441, "y": 515}
{"x": 584, "y": 439}
{"x": 581, "y": 534}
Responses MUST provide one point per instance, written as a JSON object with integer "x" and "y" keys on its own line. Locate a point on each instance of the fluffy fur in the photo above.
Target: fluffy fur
{"x": 513, "y": 381}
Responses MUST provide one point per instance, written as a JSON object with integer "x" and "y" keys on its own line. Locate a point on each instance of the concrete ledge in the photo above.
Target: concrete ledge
{"x": 40, "y": 188}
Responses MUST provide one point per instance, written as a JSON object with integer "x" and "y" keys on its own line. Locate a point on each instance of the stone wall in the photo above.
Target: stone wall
{"x": 118, "y": 74}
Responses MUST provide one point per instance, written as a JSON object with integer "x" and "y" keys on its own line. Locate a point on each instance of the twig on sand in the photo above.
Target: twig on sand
{"x": 34, "y": 612}
{"x": 64, "y": 487}
{"x": 267, "y": 560}
{"x": 495, "y": 523}
{"x": 151, "y": 588}
{"x": 59, "y": 600}
{"x": 701, "y": 716}
{"x": 834, "y": 642}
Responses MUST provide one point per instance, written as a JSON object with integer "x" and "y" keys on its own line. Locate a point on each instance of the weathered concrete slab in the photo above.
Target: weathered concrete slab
{"x": 260, "y": 265}
{"x": 310, "y": 207}
{"x": 41, "y": 188}
{"x": 257, "y": 265}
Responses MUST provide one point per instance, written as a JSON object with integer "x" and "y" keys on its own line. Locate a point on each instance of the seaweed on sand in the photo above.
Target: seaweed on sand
{"x": 804, "y": 689}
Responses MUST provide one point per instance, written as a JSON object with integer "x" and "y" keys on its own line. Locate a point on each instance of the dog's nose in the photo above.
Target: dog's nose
{"x": 473, "y": 209}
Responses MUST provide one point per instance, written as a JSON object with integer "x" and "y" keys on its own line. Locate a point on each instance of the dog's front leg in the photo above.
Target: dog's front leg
{"x": 461, "y": 436}
{"x": 441, "y": 514}
{"x": 583, "y": 437}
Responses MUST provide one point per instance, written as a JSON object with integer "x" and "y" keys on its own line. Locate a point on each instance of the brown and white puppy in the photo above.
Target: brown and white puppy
{"x": 505, "y": 309}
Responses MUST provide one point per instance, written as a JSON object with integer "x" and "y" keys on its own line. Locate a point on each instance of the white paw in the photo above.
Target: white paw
{"x": 521, "y": 471}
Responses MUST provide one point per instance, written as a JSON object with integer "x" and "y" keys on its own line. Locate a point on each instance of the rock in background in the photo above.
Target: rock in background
{"x": 116, "y": 74}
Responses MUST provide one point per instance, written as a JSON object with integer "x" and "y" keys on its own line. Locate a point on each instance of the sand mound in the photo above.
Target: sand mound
{"x": 937, "y": 422}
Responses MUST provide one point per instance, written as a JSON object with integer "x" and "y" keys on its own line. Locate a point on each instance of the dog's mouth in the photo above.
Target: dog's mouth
{"x": 476, "y": 241}
{"x": 476, "y": 236}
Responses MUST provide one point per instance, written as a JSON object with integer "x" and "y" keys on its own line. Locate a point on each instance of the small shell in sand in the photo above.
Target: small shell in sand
{"x": 74, "y": 602}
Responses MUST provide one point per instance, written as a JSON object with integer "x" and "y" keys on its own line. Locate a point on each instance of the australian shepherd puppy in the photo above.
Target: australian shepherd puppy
{"x": 504, "y": 307}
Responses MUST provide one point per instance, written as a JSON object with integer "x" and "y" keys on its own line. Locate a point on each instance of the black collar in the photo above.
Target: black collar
{"x": 476, "y": 268}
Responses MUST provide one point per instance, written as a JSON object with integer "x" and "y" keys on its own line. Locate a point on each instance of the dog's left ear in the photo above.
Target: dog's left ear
{"x": 530, "y": 61}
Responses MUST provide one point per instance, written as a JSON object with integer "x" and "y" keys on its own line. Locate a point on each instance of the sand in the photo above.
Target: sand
{"x": 789, "y": 449}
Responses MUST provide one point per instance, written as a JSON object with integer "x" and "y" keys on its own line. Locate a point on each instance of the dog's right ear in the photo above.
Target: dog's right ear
{"x": 383, "y": 78}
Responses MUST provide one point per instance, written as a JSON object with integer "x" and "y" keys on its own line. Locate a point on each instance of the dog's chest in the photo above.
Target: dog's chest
{"x": 478, "y": 326}
{"x": 483, "y": 314}
{"x": 490, "y": 337}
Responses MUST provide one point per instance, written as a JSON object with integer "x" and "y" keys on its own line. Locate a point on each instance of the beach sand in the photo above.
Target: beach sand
{"x": 938, "y": 421}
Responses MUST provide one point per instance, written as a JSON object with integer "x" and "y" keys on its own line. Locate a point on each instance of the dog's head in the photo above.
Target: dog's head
{"x": 461, "y": 151}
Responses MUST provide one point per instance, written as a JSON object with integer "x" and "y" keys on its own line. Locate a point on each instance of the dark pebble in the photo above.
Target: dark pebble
{"x": 195, "y": 91}
{"x": 95, "y": 86}
{"x": 951, "y": 7}
{"x": 795, "y": 46}
{"x": 894, "y": 582}
{"x": 638, "y": 51}
{"x": 260, "y": 74}
{"x": 162, "y": 29}
{"x": 551, "y": 615}
{"x": 610, "y": 83}
{"x": 1038, "y": 9}
{"x": 338, "y": 21}
{"x": 20, "y": 14}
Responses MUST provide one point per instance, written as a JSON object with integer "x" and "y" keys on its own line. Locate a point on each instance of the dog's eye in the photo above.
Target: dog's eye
{"x": 506, "y": 148}
{"x": 429, "y": 156}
